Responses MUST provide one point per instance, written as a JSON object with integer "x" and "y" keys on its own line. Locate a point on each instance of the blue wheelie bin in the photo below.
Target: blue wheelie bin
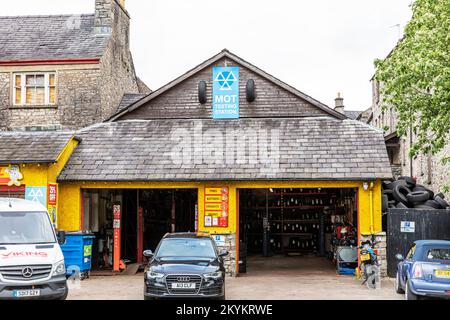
{"x": 77, "y": 251}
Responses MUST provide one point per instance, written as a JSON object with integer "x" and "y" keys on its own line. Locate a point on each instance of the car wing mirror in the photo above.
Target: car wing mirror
{"x": 223, "y": 253}
{"x": 61, "y": 235}
{"x": 399, "y": 257}
{"x": 148, "y": 253}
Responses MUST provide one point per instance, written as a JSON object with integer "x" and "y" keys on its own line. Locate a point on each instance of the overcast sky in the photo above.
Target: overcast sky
{"x": 321, "y": 47}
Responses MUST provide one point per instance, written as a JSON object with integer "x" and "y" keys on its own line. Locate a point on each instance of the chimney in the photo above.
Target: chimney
{"x": 105, "y": 15}
{"x": 339, "y": 104}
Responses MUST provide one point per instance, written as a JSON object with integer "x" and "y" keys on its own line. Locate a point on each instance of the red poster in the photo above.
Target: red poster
{"x": 52, "y": 194}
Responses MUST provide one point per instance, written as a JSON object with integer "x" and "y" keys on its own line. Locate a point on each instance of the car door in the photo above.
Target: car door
{"x": 406, "y": 265}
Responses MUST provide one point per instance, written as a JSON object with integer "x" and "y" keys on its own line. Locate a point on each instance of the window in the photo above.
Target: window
{"x": 34, "y": 89}
{"x": 411, "y": 252}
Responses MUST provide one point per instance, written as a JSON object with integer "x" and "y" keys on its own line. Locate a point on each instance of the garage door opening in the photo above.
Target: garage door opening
{"x": 146, "y": 216}
{"x": 295, "y": 228}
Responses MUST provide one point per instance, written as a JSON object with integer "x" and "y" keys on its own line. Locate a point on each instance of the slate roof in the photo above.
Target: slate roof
{"x": 319, "y": 148}
{"x": 128, "y": 99}
{"x": 352, "y": 114}
{"x": 50, "y": 37}
{"x": 32, "y": 147}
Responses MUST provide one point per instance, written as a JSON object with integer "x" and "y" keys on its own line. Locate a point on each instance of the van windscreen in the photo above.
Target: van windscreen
{"x": 25, "y": 228}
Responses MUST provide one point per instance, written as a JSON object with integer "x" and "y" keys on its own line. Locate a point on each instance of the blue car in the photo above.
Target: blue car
{"x": 425, "y": 272}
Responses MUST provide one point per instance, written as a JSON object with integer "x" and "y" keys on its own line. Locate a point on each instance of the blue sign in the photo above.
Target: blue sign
{"x": 225, "y": 93}
{"x": 36, "y": 194}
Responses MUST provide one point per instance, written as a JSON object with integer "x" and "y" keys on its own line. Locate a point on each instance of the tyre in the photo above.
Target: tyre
{"x": 444, "y": 204}
{"x": 434, "y": 204}
{"x": 384, "y": 203}
{"x": 398, "y": 286}
{"x": 392, "y": 185}
{"x": 418, "y": 196}
{"x": 388, "y": 193}
{"x": 419, "y": 187}
{"x": 400, "y": 192}
{"x": 423, "y": 207}
{"x": 440, "y": 195}
{"x": 401, "y": 206}
{"x": 409, "y": 181}
{"x": 409, "y": 295}
{"x": 64, "y": 296}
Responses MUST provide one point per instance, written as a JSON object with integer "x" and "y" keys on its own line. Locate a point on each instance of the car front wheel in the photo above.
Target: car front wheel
{"x": 398, "y": 286}
{"x": 409, "y": 295}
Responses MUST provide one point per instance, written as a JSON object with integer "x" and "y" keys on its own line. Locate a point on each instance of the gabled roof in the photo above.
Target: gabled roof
{"x": 50, "y": 37}
{"x": 227, "y": 54}
{"x": 314, "y": 148}
{"x": 32, "y": 147}
{"x": 128, "y": 99}
{"x": 352, "y": 114}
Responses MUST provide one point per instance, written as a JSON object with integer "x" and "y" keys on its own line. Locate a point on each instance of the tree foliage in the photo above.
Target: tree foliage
{"x": 415, "y": 77}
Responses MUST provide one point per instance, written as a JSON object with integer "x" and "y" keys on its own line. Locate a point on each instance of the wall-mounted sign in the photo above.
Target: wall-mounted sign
{"x": 117, "y": 217}
{"x": 36, "y": 194}
{"x": 216, "y": 207}
{"x": 408, "y": 226}
{"x": 220, "y": 240}
{"x": 225, "y": 93}
{"x": 52, "y": 194}
{"x": 10, "y": 176}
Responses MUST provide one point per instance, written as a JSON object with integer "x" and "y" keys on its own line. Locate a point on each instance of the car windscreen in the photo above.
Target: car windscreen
{"x": 433, "y": 253}
{"x": 25, "y": 228}
{"x": 186, "y": 248}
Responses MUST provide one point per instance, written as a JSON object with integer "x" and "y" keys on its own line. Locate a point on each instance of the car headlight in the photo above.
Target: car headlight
{"x": 214, "y": 275}
{"x": 154, "y": 275}
{"x": 60, "y": 269}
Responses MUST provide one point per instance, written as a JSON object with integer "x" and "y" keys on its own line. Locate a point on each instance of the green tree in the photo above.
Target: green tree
{"x": 415, "y": 77}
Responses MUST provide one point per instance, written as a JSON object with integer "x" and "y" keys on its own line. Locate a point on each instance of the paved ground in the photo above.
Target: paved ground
{"x": 266, "y": 279}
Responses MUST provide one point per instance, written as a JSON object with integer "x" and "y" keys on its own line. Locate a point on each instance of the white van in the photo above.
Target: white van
{"x": 31, "y": 260}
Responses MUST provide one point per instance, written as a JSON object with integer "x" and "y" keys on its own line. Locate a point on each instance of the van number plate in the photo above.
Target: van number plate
{"x": 183, "y": 285}
{"x": 26, "y": 293}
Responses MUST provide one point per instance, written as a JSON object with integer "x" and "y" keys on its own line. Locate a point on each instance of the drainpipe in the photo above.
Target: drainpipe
{"x": 372, "y": 223}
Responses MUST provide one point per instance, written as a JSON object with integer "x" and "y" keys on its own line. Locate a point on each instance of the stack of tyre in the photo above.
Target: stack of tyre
{"x": 405, "y": 193}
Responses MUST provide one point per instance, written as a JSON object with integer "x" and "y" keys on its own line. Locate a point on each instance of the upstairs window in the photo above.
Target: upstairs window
{"x": 34, "y": 89}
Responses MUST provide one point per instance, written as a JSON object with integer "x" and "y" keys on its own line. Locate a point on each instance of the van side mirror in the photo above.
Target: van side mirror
{"x": 223, "y": 253}
{"x": 148, "y": 254}
{"x": 399, "y": 257}
{"x": 61, "y": 237}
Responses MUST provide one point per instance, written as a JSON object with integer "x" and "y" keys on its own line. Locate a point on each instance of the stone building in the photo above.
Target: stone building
{"x": 65, "y": 71}
{"x": 428, "y": 169}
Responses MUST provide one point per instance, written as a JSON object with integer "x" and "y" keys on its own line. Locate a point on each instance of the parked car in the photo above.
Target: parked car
{"x": 31, "y": 261}
{"x": 425, "y": 272}
{"x": 185, "y": 265}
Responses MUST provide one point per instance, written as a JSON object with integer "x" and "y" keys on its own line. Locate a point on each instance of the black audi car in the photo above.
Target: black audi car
{"x": 185, "y": 265}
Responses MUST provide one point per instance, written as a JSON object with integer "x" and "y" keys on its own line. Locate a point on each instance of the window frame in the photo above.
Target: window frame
{"x": 24, "y": 87}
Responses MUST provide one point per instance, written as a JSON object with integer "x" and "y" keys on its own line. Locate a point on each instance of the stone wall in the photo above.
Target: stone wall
{"x": 86, "y": 94}
{"x": 230, "y": 260}
{"x": 381, "y": 249}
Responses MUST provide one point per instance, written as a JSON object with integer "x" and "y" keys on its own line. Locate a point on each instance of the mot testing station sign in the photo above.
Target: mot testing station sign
{"x": 225, "y": 93}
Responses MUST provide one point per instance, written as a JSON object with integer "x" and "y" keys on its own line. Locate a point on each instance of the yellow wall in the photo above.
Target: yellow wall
{"x": 70, "y": 210}
{"x": 41, "y": 175}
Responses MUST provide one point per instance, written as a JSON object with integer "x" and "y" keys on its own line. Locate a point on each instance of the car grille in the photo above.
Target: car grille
{"x": 170, "y": 279}
{"x": 16, "y": 272}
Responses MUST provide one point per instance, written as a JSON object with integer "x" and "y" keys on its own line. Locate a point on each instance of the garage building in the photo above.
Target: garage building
{"x": 228, "y": 149}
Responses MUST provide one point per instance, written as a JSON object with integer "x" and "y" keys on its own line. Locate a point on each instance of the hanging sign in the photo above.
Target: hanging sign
{"x": 216, "y": 207}
{"x": 10, "y": 176}
{"x": 225, "y": 93}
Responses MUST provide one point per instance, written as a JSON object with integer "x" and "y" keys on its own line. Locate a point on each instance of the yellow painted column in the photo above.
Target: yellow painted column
{"x": 69, "y": 207}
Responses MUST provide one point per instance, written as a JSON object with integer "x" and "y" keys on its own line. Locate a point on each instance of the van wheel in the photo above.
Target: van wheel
{"x": 398, "y": 286}
{"x": 409, "y": 295}
{"x": 64, "y": 297}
